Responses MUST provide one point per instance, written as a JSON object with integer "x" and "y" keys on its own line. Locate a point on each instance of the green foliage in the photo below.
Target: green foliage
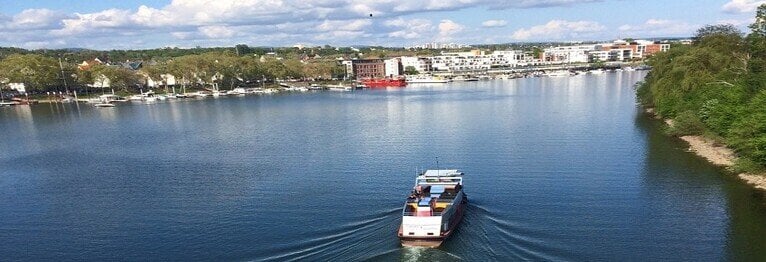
{"x": 37, "y": 72}
{"x": 716, "y": 86}
{"x": 411, "y": 70}
{"x": 745, "y": 165}
{"x": 119, "y": 78}
{"x": 758, "y": 27}
{"x": 725, "y": 30}
{"x": 687, "y": 123}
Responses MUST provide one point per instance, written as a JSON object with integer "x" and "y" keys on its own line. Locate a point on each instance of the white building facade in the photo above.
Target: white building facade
{"x": 475, "y": 60}
{"x": 393, "y": 67}
{"x": 422, "y": 64}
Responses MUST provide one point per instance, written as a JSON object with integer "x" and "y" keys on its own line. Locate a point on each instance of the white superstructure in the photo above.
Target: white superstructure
{"x": 433, "y": 209}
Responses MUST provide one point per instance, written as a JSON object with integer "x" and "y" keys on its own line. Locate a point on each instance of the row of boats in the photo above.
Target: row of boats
{"x": 425, "y": 78}
{"x": 108, "y": 100}
{"x": 559, "y": 73}
{"x": 16, "y": 101}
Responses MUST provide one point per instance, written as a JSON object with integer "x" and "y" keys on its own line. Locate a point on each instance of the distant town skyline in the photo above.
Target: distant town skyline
{"x": 139, "y": 24}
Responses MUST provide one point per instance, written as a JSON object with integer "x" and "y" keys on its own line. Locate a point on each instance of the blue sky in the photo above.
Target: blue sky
{"x": 112, "y": 24}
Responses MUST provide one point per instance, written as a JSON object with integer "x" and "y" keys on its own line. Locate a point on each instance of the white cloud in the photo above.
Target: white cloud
{"x": 344, "y": 25}
{"x": 559, "y": 29}
{"x": 110, "y": 18}
{"x": 33, "y": 19}
{"x": 182, "y": 35}
{"x": 449, "y": 27}
{"x": 248, "y": 20}
{"x": 538, "y": 3}
{"x": 340, "y": 35}
{"x": 736, "y": 22}
{"x": 659, "y": 27}
{"x": 494, "y": 23}
{"x": 742, "y": 6}
{"x": 151, "y": 17}
{"x": 409, "y": 29}
{"x": 216, "y": 31}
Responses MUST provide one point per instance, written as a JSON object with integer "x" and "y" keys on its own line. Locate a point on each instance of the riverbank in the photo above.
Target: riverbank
{"x": 716, "y": 153}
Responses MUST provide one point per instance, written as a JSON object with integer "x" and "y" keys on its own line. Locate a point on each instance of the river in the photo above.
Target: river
{"x": 556, "y": 169}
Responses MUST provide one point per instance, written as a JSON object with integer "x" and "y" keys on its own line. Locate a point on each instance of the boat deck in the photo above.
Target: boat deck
{"x": 430, "y": 200}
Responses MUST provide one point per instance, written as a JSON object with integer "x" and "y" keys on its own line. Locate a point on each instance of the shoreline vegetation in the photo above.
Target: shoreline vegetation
{"x": 716, "y": 153}
{"x": 712, "y": 95}
{"x": 38, "y": 72}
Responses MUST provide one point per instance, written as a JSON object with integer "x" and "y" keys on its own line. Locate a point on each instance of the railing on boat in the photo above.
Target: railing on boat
{"x": 412, "y": 214}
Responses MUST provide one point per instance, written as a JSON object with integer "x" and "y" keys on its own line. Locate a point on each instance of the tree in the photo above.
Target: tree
{"x": 758, "y": 28}
{"x": 274, "y": 69}
{"x": 242, "y": 49}
{"x": 37, "y": 72}
{"x": 319, "y": 70}
{"x": 720, "y": 30}
{"x": 156, "y": 72}
{"x": 715, "y": 87}
{"x": 410, "y": 70}
{"x": 294, "y": 69}
{"x": 756, "y": 40}
{"x": 119, "y": 77}
{"x": 252, "y": 69}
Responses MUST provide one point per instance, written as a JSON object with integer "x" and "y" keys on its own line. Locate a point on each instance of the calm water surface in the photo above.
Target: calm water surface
{"x": 556, "y": 169}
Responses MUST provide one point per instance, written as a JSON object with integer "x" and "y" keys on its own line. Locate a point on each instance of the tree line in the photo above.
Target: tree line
{"x": 715, "y": 87}
{"x": 42, "y": 73}
{"x": 56, "y": 70}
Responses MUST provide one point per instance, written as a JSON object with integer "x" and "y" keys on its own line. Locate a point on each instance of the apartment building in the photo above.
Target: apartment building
{"x": 365, "y": 68}
{"x": 422, "y": 64}
{"x": 474, "y": 60}
{"x": 393, "y": 67}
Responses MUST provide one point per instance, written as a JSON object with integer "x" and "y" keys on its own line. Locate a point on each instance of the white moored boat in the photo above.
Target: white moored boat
{"x": 104, "y": 104}
{"x": 422, "y": 79}
{"x": 465, "y": 78}
{"x": 434, "y": 208}
{"x": 558, "y": 73}
{"x": 596, "y": 71}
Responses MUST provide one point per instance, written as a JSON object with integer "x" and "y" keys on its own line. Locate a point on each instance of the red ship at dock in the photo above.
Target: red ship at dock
{"x": 384, "y": 82}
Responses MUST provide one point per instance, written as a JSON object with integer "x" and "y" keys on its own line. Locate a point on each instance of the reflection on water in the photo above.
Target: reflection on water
{"x": 556, "y": 169}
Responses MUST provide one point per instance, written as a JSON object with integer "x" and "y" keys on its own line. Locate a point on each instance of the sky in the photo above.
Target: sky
{"x": 142, "y": 24}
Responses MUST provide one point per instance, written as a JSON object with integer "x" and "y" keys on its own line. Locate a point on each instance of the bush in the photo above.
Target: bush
{"x": 745, "y": 165}
{"x": 687, "y": 123}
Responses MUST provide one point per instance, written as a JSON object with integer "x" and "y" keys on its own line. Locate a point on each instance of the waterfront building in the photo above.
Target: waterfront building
{"x": 569, "y": 54}
{"x": 86, "y": 65}
{"x": 393, "y": 67}
{"x": 440, "y": 46}
{"x": 348, "y": 65}
{"x": 19, "y": 87}
{"x": 475, "y": 60}
{"x": 598, "y": 56}
{"x": 167, "y": 79}
{"x": 365, "y": 68}
{"x": 422, "y": 64}
{"x": 101, "y": 81}
{"x": 621, "y": 54}
{"x": 640, "y": 49}
{"x": 616, "y": 51}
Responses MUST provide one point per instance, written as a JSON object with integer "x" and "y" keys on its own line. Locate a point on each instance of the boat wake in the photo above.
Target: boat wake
{"x": 348, "y": 242}
{"x": 510, "y": 239}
